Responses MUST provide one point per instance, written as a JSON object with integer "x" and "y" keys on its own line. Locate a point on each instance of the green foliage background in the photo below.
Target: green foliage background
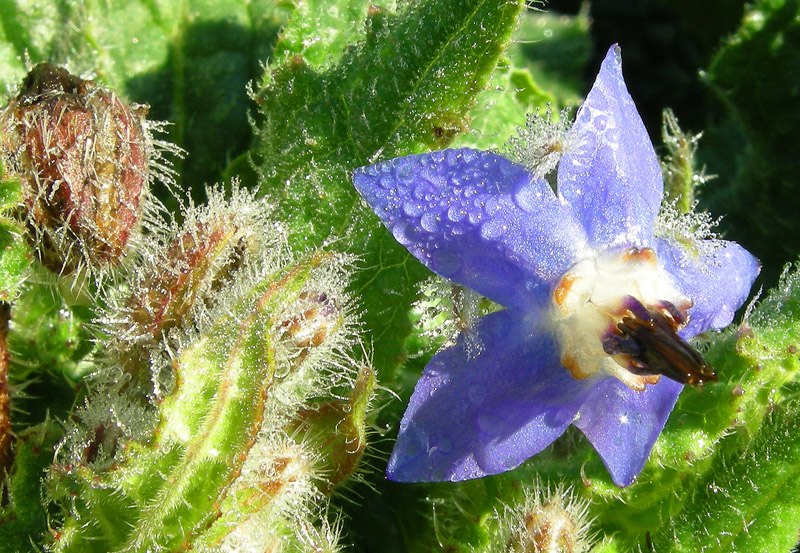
{"x": 290, "y": 97}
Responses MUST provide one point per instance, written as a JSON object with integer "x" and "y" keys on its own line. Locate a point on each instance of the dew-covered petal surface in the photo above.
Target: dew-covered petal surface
{"x": 623, "y": 424}
{"x": 609, "y": 172}
{"x": 716, "y": 275}
{"x": 475, "y": 218}
{"x": 474, "y": 414}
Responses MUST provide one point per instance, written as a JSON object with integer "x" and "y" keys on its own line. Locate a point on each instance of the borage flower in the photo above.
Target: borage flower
{"x": 598, "y": 308}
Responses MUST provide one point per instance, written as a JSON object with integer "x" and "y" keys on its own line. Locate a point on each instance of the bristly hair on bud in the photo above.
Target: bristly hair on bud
{"x": 541, "y": 143}
{"x": 86, "y": 160}
{"x": 544, "y": 521}
{"x": 185, "y": 270}
{"x": 678, "y": 166}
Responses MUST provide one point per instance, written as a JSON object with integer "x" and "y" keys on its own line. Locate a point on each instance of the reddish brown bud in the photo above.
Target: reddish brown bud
{"x": 82, "y": 156}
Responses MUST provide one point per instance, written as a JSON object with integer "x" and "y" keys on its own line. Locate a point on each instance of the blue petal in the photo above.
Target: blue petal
{"x": 623, "y": 424}
{"x": 717, "y": 281}
{"x": 609, "y": 173}
{"x": 475, "y": 414}
{"x": 477, "y": 219}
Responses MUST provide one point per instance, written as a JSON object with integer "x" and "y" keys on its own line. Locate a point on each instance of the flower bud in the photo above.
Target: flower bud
{"x": 547, "y": 522}
{"x": 187, "y": 270}
{"x": 82, "y": 156}
{"x": 317, "y": 316}
{"x": 337, "y": 429}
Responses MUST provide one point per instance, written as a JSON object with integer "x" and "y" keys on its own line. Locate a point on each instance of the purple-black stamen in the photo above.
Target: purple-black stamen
{"x": 648, "y": 338}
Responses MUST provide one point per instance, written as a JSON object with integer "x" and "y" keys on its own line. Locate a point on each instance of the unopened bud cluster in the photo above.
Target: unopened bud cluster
{"x": 82, "y": 156}
{"x": 228, "y": 374}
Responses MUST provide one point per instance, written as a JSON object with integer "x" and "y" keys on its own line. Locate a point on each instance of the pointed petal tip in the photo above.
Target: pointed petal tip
{"x": 626, "y": 475}
{"x": 623, "y": 425}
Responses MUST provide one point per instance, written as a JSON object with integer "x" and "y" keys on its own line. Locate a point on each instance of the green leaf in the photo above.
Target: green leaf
{"x": 15, "y": 254}
{"x": 23, "y": 517}
{"x": 747, "y": 502}
{"x": 51, "y": 335}
{"x": 407, "y": 87}
{"x": 755, "y": 75}
{"x": 555, "y": 49}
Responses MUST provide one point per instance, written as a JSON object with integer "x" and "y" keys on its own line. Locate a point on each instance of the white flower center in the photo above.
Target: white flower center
{"x": 618, "y": 314}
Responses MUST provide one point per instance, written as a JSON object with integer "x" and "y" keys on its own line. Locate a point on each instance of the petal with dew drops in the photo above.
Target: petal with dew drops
{"x": 717, "y": 276}
{"x": 623, "y": 424}
{"x": 609, "y": 173}
{"x": 476, "y": 218}
{"x": 486, "y": 404}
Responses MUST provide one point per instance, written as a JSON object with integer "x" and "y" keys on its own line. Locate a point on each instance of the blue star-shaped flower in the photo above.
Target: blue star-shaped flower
{"x": 598, "y": 307}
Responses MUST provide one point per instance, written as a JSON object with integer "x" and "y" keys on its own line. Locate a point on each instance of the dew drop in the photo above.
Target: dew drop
{"x": 415, "y": 441}
{"x": 456, "y": 213}
{"x": 412, "y": 208}
{"x": 403, "y": 233}
{"x": 600, "y": 122}
{"x": 405, "y": 173}
{"x": 446, "y": 444}
{"x": 452, "y": 158}
{"x": 490, "y": 424}
{"x": 509, "y": 171}
{"x": 528, "y": 198}
{"x": 493, "y": 206}
{"x": 468, "y": 155}
{"x": 474, "y": 214}
{"x": 437, "y": 157}
{"x": 476, "y": 394}
{"x": 492, "y": 230}
{"x": 428, "y": 222}
{"x": 386, "y": 182}
{"x": 446, "y": 263}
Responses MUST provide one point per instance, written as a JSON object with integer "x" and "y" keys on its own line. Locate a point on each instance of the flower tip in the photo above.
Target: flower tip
{"x": 399, "y": 469}
{"x": 613, "y": 60}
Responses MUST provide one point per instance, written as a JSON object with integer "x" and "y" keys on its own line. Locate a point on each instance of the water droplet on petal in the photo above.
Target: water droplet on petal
{"x": 490, "y": 424}
{"x": 600, "y": 122}
{"x": 493, "y": 205}
{"x": 403, "y": 233}
{"x": 452, "y": 158}
{"x": 428, "y": 222}
{"x": 474, "y": 214}
{"x": 528, "y": 198}
{"x": 386, "y": 182}
{"x": 412, "y": 208}
{"x": 492, "y": 230}
{"x": 414, "y": 441}
{"x": 476, "y": 394}
{"x": 509, "y": 170}
{"x": 446, "y": 445}
{"x": 468, "y": 155}
{"x": 456, "y": 213}
{"x": 446, "y": 263}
